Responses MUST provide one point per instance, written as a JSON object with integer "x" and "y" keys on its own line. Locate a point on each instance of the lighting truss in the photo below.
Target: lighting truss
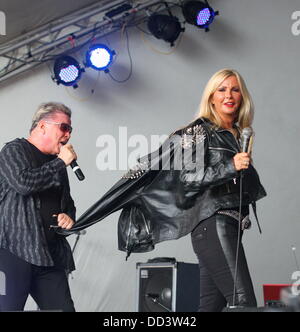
{"x": 69, "y": 34}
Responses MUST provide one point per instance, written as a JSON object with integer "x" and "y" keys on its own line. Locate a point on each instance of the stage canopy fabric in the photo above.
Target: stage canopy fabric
{"x": 27, "y": 15}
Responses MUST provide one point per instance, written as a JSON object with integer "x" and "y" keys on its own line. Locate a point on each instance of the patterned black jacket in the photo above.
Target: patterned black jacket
{"x": 21, "y": 228}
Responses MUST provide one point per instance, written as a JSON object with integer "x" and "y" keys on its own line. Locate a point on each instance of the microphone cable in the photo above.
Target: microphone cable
{"x": 246, "y": 136}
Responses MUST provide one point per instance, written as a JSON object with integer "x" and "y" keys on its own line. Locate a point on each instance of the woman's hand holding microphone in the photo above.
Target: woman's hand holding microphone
{"x": 241, "y": 161}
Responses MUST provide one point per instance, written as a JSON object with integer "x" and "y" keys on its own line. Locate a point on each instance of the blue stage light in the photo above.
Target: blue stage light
{"x": 203, "y": 16}
{"x": 67, "y": 71}
{"x": 199, "y": 14}
{"x": 99, "y": 57}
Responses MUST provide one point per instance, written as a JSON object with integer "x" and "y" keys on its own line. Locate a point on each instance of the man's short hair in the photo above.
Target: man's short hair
{"x": 47, "y": 110}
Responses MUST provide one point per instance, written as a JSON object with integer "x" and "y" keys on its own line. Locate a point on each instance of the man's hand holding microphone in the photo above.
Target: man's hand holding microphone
{"x": 69, "y": 156}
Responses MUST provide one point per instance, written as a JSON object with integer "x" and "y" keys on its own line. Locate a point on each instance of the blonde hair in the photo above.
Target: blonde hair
{"x": 246, "y": 110}
{"x": 47, "y": 110}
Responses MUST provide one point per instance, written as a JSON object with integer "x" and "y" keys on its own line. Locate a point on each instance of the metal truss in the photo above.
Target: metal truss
{"x": 69, "y": 33}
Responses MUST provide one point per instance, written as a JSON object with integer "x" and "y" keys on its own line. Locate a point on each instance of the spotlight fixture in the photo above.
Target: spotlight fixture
{"x": 166, "y": 27}
{"x": 99, "y": 57}
{"x": 199, "y": 14}
{"x": 67, "y": 71}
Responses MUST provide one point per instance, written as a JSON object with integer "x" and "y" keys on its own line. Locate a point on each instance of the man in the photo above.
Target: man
{"x": 35, "y": 200}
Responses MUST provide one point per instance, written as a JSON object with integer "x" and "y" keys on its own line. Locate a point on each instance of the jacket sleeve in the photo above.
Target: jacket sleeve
{"x": 68, "y": 205}
{"x": 206, "y": 170}
{"x": 16, "y": 169}
{"x": 70, "y": 208}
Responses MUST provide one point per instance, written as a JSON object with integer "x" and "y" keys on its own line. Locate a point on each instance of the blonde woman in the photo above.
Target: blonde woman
{"x": 163, "y": 202}
{"x": 226, "y": 109}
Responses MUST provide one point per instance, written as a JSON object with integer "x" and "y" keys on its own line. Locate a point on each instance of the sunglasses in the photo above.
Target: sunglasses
{"x": 64, "y": 127}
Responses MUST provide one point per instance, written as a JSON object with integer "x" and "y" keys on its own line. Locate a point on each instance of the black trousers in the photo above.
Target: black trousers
{"x": 48, "y": 286}
{"x": 215, "y": 242}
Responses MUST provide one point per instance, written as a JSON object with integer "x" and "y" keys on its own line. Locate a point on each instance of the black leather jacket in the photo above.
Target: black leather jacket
{"x": 168, "y": 194}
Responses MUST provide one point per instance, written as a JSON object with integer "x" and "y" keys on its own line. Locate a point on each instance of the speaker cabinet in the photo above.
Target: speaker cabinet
{"x": 167, "y": 287}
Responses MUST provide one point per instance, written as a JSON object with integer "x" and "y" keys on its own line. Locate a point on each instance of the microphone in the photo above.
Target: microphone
{"x": 295, "y": 257}
{"x": 245, "y": 138}
{"x": 83, "y": 232}
{"x": 77, "y": 170}
{"x": 153, "y": 296}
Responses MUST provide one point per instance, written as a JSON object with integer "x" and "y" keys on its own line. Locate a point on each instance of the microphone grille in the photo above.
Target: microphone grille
{"x": 247, "y": 132}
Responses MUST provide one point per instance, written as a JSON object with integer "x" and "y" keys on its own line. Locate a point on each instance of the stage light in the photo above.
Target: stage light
{"x": 67, "y": 71}
{"x": 199, "y": 14}
{"x": 99, "y": 57}
{"x": 166, "y": 27}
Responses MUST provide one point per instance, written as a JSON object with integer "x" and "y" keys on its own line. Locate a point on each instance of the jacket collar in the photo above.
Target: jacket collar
{"x": 227, "y": 135}
{"x": 218, "y": 129}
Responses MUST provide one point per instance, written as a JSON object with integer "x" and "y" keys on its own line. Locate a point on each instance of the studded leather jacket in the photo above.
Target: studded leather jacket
{"x": 190, "y": 178}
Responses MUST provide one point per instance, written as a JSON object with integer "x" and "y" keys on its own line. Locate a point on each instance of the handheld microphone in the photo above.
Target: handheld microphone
{"x": 245, "y": 138}
{"x": 77, "y": 170}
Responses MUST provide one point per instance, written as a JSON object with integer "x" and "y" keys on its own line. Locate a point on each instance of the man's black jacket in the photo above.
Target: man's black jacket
{"x": 21, "y": 225}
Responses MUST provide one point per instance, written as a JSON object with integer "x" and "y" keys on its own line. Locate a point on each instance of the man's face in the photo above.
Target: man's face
{"x": 54, "y": 134}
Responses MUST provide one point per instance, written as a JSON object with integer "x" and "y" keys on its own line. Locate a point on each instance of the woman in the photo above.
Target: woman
{"x": 192, "y": 184}
{"x": 227, "y": 108}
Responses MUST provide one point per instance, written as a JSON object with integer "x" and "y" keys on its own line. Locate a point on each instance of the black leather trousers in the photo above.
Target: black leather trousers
{"x": 215, "y": 242}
